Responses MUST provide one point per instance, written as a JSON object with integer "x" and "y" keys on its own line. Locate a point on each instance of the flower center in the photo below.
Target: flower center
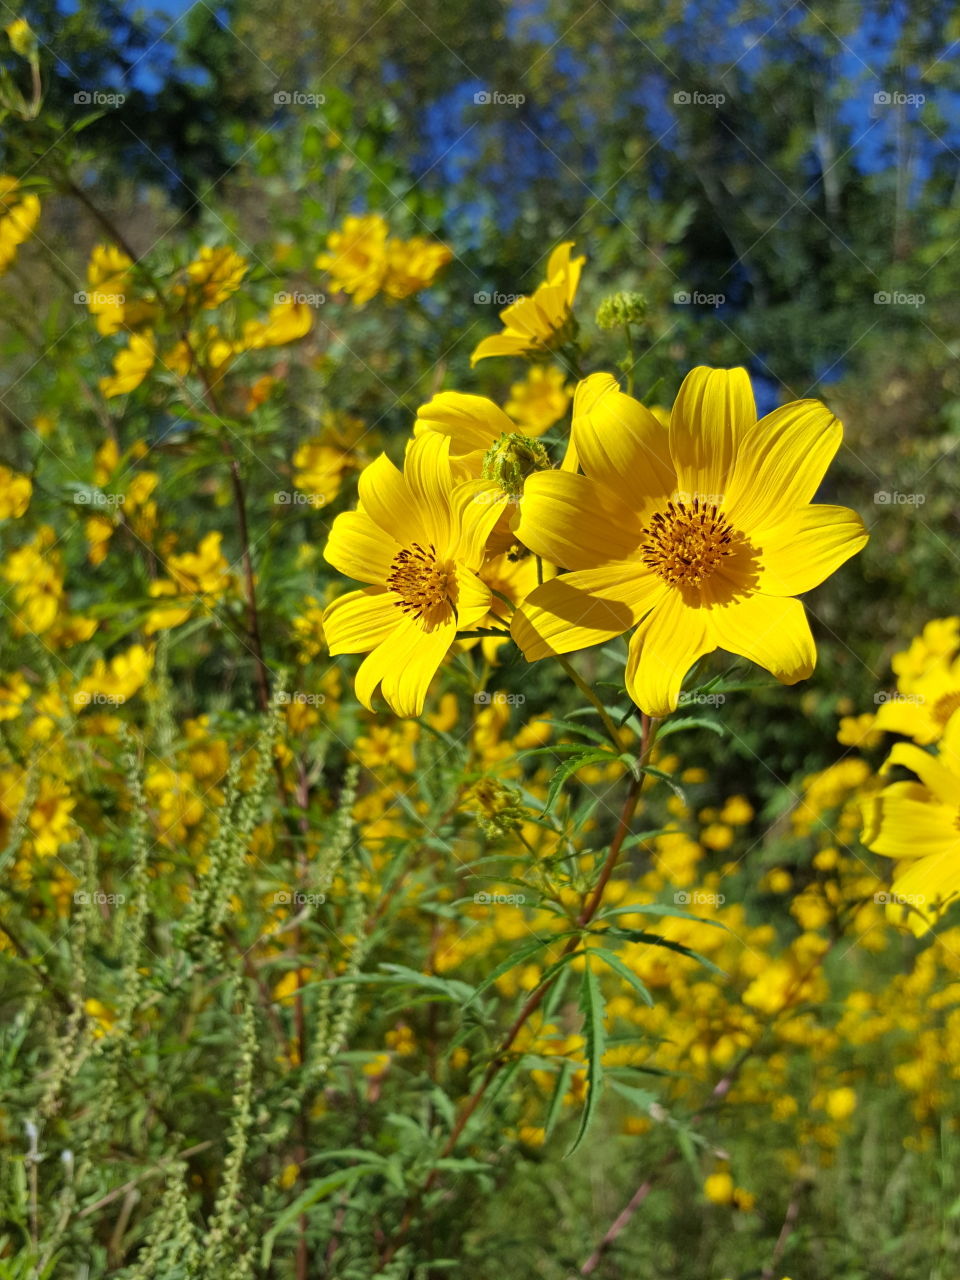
{"x": 427, "y": 586}
{"x": 945, "y": 706}
{"x": 687, "y": 543}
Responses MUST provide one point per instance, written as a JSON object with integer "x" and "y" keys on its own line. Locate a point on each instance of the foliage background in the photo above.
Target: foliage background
{"x": 825, "y": 177}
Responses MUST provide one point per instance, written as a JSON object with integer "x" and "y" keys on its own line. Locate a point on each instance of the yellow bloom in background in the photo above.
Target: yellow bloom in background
{"x": 109, "y": 281}
{"x": 14, "y": 692}
{"x": 719, "y": 1188}
{"x": 286, "y": 322}
{"x": 130, "y": 365}
{"x": 356, "y": 256}
{"x": 926, "y": 696}
{"x": 534, "y": 324}
{"x": 413, "y": 265}
{"x": 417, "y": 540}
{"x": 21, "y": 37}
{"x": 319, "y": 469}
{"x": 917, "y": 823}
{"x": 700, "y": 536}
{"x": 540, "y": 401}
{"x": 19, "y": 215}
{"x": 15, "y": 493}
{"x": 203, "y": 574}
{"x": 116, "y": 681}
{"x": 215, "y": 274}
{"x": 35, "y": 571}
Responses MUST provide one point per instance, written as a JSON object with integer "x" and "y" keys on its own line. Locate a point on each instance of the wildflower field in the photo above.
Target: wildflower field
{"x": 479, "y": 640}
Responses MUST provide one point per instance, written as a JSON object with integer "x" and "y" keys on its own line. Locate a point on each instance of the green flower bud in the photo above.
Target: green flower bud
{"x": 498, "y": 807}
{"x": 514, "y": 457}
{"x": 620, "y": 309}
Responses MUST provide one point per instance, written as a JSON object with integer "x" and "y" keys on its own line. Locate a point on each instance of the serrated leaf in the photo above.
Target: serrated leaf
{"x": 617, "y": 965}
{"x": 655, "y": 940}
{"x": 556, "y": 1098}
{"x": 594, "y": 1033}
{"x": 569, "y": 769}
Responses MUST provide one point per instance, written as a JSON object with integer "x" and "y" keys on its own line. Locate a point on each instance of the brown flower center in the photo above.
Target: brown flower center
{"x": 426, "y": 585}
{"x": 945, "y": 706}
{"x": 688, "y": 542}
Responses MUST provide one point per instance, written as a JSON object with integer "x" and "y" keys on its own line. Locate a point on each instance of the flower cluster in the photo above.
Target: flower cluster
{"x": 363, "y": 259}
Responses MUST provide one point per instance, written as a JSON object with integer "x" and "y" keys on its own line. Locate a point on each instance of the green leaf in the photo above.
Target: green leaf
{"x": 655, "y": 940}
{"x": 568, "y": 769}
{"x": 617, "y": 965}
{"x": 691, "y": 722}
{"x": 555, "y": 1108}
{"x": 316, "y": 1191}
{"x": 517, "y": 957}
{"x": 640, "y": 1098}
{"x": 592, "y": 1008}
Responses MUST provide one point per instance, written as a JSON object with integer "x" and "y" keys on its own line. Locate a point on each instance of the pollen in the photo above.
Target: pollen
{"x": 945, "y": 706}
{"x": 687, "y": 543}
{"x": 425, "y": 584}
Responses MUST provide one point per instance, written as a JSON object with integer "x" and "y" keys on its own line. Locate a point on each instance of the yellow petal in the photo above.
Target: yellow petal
{"x": 807, "y": 546}
{"x": 387, "y": 500}
{"x": 500, "y": 344}
{"x": 712, "y": 415}
{"x": 662, "y": 650}
{"x": 924, "y": 890}
{"x": 471, "y": 422}
{"x": 620, "y": 443}
{"x": 360, "y": 620}
{"x": 574, "y": 522}
{"x": 780, "y": 464}
{"x": 359, "y": 548}
{"x": 905, "y": 821}
{"x": 772, "y": 631}
{"x": 933, "y": 773}
{"x": 404, "y": 665}
{"x": 477, "y": 505}
{"x": 426, "y": 470}
{"x": 583, "y": 609}
{"x": 473, "y": 599}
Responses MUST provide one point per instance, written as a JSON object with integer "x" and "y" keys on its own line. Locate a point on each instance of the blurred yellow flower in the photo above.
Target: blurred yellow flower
{"x": 356, "y": 256}
{"x": 15, "y": 493}
{"x": 536, "y": 324}
{"x": 540, "y": 400}
{"x": 130, "y": 365}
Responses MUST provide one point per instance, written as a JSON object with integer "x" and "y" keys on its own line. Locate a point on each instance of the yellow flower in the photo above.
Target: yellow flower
{"x": 319, "y": 469}
{"x": 216, "y": 274}
{"x": 540, "y": 400}
{"x": 356, "y": 256}
{"x": 35, "y": 572}
{"x": 126, "y": 674}
{"x": 108, "y": 280}
{"x": 19, "y": 215}
{"x": 13, "y": 694}
{"x": 840, "y": 1104}
{"x": 21, "y": 37}
{"x": 532, "y": 325}
{"x": 719, "y": 1188}
{"x": 15, "y": 493}
{"x": 417, "y": 539}
{"x": 286, "y": 322}
{"x": 413, "y": 264}
{"x": 917, "y": 822}
{"x": 702, "y": 534}
{"x": 130, "y": 365}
